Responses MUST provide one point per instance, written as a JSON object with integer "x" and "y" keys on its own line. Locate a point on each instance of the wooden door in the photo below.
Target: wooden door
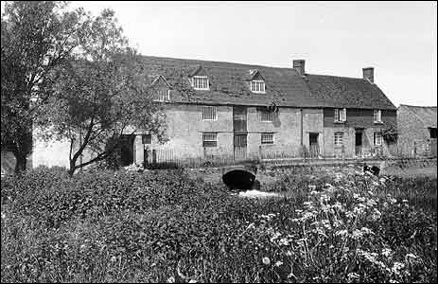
{"x": 240, "y": 129}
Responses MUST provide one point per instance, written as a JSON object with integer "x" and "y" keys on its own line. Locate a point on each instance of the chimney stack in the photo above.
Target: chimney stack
{"x": 298, "y": 65}
{"x": 368, "y": 74}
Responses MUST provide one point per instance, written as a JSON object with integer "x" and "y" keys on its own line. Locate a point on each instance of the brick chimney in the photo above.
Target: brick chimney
{"x": 298, "y": 65}
{"x": 368, "y": 74}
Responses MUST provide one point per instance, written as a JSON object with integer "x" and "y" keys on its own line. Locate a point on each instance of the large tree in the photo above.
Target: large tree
{"x": 36, "y": 37}
{"x": 100, "y": 95}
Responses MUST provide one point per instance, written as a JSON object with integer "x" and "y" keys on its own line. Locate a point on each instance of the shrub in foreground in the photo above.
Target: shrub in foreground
{"x": 162, "y": 226}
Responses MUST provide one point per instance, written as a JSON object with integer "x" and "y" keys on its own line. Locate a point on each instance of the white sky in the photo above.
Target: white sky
{"x": 399, "y": 39}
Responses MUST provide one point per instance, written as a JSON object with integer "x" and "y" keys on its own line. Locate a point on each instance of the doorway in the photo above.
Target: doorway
{"x": 358, "y": 142}
{"x": 240, "y": 129}
{"x": 127, "y": 150}
{"x": 313, "y": 145}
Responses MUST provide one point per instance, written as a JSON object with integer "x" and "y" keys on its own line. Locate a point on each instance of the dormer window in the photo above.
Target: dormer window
{"x": 161, "y": 89}
{"x": 163, "y": 95}
{"x": 256, "y": 82}
{"x": 200, "y": 83}
{"x": 257, "y": 86}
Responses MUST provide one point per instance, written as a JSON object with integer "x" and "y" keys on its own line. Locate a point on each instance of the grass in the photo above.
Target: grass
{"x": 163, "y": 226}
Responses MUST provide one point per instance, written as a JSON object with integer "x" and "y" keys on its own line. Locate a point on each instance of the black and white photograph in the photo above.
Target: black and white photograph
{"x": 219, "y": 141}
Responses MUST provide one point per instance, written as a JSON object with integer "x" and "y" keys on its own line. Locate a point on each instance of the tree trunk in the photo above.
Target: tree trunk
{"x": 20, "y": 164}
{"x": 72, "y": 168}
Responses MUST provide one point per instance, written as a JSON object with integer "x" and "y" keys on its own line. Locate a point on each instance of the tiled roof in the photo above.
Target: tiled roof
{"x": 347, "y": 92}
{"x": 229, "y": 85}
{"x": 427, "y": 115}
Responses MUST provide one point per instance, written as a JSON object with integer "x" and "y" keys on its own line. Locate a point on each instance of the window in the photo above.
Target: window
{"x": 339, "y": 138}
{"x": 377, "y": 116}
{"x": 163, "y": 95}
{"x": 209, "y": 139}
{"x": 146, "y": 138}
{"x": 378, "y": 139}
{"x": 200, "y": 83}
{"x": 266, "y": 115}
{"x": 432, "y": 132}
{"x": 209, "y": 113}
{"x": 267, "y": 138}
{"x": 340, "y": 114}
{"x": 257, "y": 86}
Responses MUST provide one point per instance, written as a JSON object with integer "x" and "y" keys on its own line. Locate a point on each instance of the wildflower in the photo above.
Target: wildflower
{"x": 392, "y": 200}
{"x": 193, "y": 281}
{"x": 341, "y": 233}
{"x": 275, "y": 236}
{"x": 289, "y": 253}
{"x": 3, "y": 215}
{"x": 371, "y": 203}
{"x": 324, "y": 198}
{"x": 410, "y": 255}
{"x": 376, "y": 215}
{"x": 308, "y": 204}
{"x": 350, "y": 215}
{"x": 278, "y": 263}
{"x": 266, "y": 260}
{"x": 404, "y": 201}
{"x": 397, "y": 267}
{"x": 308, "y": 215}
{"x": 353, "y": 275}
{"x": 386, "y": 252}
{"x": 171, "y": 279}
{"x": 283, "y": 242}
{"x": 113, "y": 259}
{"x": 367, "y": 231}
{"x": 357, "y": 234}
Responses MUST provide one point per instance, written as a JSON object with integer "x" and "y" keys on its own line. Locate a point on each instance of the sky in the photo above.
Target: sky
{"x": 398, "y": 39}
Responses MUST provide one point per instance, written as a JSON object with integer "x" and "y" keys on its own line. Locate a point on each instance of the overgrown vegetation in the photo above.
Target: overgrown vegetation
{"x": 162, "y": 226}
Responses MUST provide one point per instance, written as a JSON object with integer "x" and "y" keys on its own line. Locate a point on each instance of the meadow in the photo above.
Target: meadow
{"x": 170, "y": 226}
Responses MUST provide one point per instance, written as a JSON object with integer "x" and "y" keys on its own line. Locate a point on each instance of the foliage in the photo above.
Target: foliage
{"x": 160, "y": 226}
{"x": 36, "y": 37}
{"x": 100, "y": 95}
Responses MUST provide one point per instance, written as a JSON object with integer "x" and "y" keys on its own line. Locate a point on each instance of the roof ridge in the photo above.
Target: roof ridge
{"x": 342, "y": 77}
{"x": 417, "y": 106}
{"x": 213, "y": 62}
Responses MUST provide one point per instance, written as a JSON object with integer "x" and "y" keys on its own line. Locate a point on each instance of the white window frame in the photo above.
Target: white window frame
{"x": 209, "y": 113}
{"x": 258, "y": 86}
{"x": 267, "y": 138}
{"x": 378, "y": 139}
{"x": 197, "y": 85}
{"x": 209, "y": 137}
{"x": 377, "y": 116}
{"x": 163, "y": 97}
{"x": 338, "y": 139}
{"x": 340, "y": 115}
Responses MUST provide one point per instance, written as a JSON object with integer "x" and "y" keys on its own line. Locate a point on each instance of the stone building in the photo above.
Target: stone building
{"x": 417, "y": 130}
{"x": 240, "y": 111}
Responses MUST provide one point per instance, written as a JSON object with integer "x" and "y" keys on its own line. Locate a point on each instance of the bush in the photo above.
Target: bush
{"x": 160, "y": 226}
